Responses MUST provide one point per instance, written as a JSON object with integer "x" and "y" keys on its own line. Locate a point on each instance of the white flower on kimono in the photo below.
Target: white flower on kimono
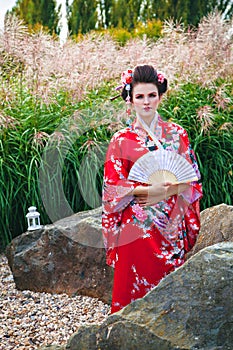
{"x": 146, "y": 235}
{"x": 194, "y": 227}
{"x": 117, "y": 168}
{"x": 136, "y": 286}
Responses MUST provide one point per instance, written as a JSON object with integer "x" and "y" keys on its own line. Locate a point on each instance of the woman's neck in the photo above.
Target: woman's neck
{"x": 150, "y": 123}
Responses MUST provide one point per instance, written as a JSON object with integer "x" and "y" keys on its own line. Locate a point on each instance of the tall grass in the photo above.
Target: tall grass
{"x": 56, "y": 121}
{"x": 46, "y": 154}
{"x": 200, "y": 56}
{"x": 206, "y": 113}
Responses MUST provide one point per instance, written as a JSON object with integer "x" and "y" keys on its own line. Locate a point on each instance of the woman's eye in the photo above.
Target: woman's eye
{"x": 139, "y": 96}
{"x": 152, "y": 95}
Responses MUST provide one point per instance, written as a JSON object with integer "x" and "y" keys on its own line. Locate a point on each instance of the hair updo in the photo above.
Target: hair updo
{"x": 145, "y": 74}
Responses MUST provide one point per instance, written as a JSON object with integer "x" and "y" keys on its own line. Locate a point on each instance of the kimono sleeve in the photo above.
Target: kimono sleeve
{"x": 117, "y": 194}
{"x": 194, "y": 192}
{"x": 192, "y": 197}
{"x": 116, "y": 188}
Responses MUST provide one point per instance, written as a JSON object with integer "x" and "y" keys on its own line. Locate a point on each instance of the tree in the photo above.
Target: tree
{"x": 105, "y": 16}
{"x": 82, "y": 16}
{"x": 50, "y": 16}
{"x": 224, "y": 6}
{"x": 126, "y": 14}
{"x": 24, "y": 10}
{"x": 188, "y": 11}
{"x": 44, "y": 12}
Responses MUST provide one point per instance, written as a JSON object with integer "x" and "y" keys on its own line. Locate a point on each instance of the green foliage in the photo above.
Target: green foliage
{"x": 41, "y": 150}
{"x": 224, "y": 6}
{"x": 207, "y": 116}
{"x": 55, "y": 121}
{"x": 188, "y": 11}
{"x": 82, "y": 16}
{"x": 25, "y": 126}
{"x": 52, "y": 155}
{"x": 50, "y": 16}
{"x": 39, "y": 12}
{"x": 152, "y": 29}
{"x": 126, "y": 14}
{"x": 120, "y": 35}
{"x": 129, "y": 16}
{"x": 106, "y": 11}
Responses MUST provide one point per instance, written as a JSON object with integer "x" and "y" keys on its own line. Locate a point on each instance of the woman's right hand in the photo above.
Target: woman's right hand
{"x": 148, "y": 195}
{"x": 152, "y": 194}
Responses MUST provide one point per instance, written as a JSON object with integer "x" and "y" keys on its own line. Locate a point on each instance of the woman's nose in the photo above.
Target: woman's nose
{"x": 146, "y": 100}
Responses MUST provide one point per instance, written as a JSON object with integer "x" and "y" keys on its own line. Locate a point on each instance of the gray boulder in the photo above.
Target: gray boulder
{"x": 68, "y": 256}
{"x": 216, "y": 227}
{"x": 65, "y": 257}
{"x": 192, "y": 308}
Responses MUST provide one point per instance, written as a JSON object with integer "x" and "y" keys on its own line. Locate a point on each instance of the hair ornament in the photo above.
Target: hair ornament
{"x": 161, "y": 77}
{"x": 126, "y": 79}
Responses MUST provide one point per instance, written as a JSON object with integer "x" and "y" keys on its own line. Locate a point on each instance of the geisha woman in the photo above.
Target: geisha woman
{"x": 147, "y": 228}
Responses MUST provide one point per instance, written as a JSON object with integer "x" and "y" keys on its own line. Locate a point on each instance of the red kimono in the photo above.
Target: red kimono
{"x": 144, "y": 244}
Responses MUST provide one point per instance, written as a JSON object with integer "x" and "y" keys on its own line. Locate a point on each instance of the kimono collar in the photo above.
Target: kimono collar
{"x": 151, "y": 129}
{"x": 153, "y": 124}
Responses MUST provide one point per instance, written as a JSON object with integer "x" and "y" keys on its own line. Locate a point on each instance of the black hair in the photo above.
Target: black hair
{"x": 145, "y": 74}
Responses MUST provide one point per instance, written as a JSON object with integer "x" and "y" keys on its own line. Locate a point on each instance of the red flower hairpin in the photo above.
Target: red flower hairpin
{"x": 126, "y": 80}
{"x": 127, "y": 77}
{"x": 161, "y": 77}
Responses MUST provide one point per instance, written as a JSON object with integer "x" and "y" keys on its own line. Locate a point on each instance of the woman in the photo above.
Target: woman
{"x": 147, "y": 229}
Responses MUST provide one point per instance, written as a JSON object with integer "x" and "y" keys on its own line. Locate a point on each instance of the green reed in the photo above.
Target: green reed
{"x": 52, "y": 154}
{"x": 207, "y": 116}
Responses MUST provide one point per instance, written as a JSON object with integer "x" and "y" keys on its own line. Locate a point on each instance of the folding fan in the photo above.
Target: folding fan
{"x": 162, "y": 166}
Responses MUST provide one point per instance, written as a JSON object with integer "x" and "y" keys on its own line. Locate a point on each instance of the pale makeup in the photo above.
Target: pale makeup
{"x": 145, "y": 100}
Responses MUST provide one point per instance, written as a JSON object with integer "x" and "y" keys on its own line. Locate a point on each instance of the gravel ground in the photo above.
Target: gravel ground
{"x": 29, "y": 320}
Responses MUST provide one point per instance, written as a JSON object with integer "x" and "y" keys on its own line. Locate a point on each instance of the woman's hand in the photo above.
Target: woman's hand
{"x": 149, "y": 195}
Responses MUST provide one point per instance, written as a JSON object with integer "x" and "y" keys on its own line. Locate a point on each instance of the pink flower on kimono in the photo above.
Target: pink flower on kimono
{"x": 139, "y": 212}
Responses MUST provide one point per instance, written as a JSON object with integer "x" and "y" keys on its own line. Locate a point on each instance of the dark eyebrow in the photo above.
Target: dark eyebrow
{"x": 149, "y": 93}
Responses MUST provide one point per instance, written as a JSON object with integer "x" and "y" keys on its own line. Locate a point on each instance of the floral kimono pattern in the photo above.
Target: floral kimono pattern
{"x": 144, "y": 244}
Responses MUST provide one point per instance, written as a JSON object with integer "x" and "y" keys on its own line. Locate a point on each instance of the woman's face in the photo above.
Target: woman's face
{"x": 145, "y": 99}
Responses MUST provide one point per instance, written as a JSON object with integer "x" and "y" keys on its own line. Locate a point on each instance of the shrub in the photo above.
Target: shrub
{"x": 120, "y": 35}
{"x": 152, "y": 29}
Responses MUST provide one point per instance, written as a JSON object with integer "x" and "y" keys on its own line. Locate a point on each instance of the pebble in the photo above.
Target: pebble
{"x": 30, "y": 320}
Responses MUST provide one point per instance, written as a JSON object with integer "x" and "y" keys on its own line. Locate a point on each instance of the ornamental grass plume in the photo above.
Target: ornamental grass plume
{"x": 40, "y": 139}
{"x": 228, "y": 126}
{"x": 206, "y": 118}
{"x": 199, "y": 56}
{"x": 7, "y": 122}
{"x": 220, "y": 98}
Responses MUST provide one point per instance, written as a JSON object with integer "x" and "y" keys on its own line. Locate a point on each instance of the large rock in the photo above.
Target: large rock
{"x": 192, "y": 308}
{"x": 216, "y": 227}
{"x": 65, "y": 257}
{"x": 68, "y": 256}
